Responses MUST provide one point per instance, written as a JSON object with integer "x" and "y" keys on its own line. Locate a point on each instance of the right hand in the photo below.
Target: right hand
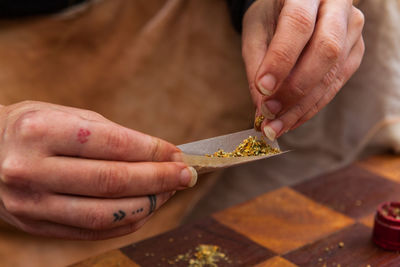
{"x": 71, "y": 173}
{"x": 298, "y": 55}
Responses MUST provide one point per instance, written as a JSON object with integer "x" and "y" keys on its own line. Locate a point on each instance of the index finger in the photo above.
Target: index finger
{"x": 294, "y": 29}
{"x": 68, "y": 134}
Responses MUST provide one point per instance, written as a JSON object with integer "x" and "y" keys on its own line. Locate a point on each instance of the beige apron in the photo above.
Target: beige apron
{"x": 173, "y": 69}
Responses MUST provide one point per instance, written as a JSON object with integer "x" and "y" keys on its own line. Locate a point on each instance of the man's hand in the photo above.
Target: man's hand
{"x": 298, "y": 54}
{"x": 71, "y": 173}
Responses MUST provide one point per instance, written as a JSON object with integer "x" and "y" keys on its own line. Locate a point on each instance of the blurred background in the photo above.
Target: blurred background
{"x": 173, "y": 69}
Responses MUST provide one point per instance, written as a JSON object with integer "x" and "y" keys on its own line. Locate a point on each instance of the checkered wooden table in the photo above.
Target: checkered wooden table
{"x": 301, "y": 225}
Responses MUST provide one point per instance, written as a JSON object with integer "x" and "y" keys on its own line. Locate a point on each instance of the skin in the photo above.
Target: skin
{"x": 71, "y": 173}
{"x": 298, "y": 55}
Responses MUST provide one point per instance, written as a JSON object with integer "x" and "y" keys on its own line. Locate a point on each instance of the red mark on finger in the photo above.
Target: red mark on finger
{"x": 83, "y": 135}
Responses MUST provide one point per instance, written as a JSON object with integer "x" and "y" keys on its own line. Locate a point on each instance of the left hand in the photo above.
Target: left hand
{"x": 298, "y": 55}
{"x": 71, "y": 173}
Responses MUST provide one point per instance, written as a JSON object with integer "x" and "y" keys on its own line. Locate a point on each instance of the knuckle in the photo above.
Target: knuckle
{"x": 156, "y": 149}
{"x": 31, "y": 125}
{"x": 111, "y": 180}
{"x": 161, "y": 178}
{"x": 359, "y": 17}
{"x": 301, "y": 19}
{"x": 13, "y": 205}
{"x": 95, "y": 220}
{"x": 94, "y": 115}
{"x": 330, "y": 48}
{"x": 117, "y": 141}
{"x": 12, "y": 169}
{"x": 314, "y": 109}
{"x": 89, "y": 235}
{"x": 336, "y": 86}
{"x": 156, "y": 178}
{"x": 330, "y": 76}
{"x": 252, "y": 46}
{"x": 299, "y": 110}
{"x": 321, "y": 104}
{"x": 296, "y": 89}
{"x": 282, "y": 56}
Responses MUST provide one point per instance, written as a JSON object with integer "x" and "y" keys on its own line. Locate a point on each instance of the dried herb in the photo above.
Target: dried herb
{"x": 204, "y": 255}
{"x": 251, "y": 146}
{"x": 391, "y": 211}
{"x": 258, "y": 121}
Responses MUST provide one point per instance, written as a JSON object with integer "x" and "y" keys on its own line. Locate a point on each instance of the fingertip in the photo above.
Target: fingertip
{"x": 193, "y": 179}
{"x": 272, "y": 129}
{"x": 270, "y": 108}
{"x": 188, "y": 177}
{"x": 269, "y": 133}
{"x": 266, "y": 84}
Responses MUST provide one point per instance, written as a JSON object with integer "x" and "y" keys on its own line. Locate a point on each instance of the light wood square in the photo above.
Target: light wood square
{"x": 113, "y": 258}
{"x": 283, "y": 220}
{"x": 387, "y": 166}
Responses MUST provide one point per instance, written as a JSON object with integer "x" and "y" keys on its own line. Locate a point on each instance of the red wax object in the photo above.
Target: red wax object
{"x": 386, "y": 232}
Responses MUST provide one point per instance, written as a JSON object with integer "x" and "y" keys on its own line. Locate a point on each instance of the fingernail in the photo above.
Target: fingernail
{"x": 177, "y": 157}
{"x": 270, "y": 108}
{"x": 272, "y": 129}
{"x": 267, "y": 84}
{"x": 188, "y": 177}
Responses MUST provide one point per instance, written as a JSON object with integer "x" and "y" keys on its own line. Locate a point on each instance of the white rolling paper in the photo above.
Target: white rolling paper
{"x": 194, "y": 152}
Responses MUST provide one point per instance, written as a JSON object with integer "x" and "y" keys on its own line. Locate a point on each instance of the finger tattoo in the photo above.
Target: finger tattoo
{"x": 137, "y": 211}
{"x": 153, "y": 203}
{"x": 83, "y": 135}
{"x": 118, "y": 216}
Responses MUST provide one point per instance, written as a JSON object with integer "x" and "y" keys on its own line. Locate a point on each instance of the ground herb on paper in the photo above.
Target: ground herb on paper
{"x": 251, "y": 146}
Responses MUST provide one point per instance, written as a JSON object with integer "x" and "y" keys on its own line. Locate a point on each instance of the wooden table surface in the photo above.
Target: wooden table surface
{"x": 301, "y": 225}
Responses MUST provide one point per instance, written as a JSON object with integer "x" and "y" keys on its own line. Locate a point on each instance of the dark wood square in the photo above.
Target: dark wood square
{"x": 159, "y": 250}
{"x": 353, "y": 191}
{"x": 357, "y": 250}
